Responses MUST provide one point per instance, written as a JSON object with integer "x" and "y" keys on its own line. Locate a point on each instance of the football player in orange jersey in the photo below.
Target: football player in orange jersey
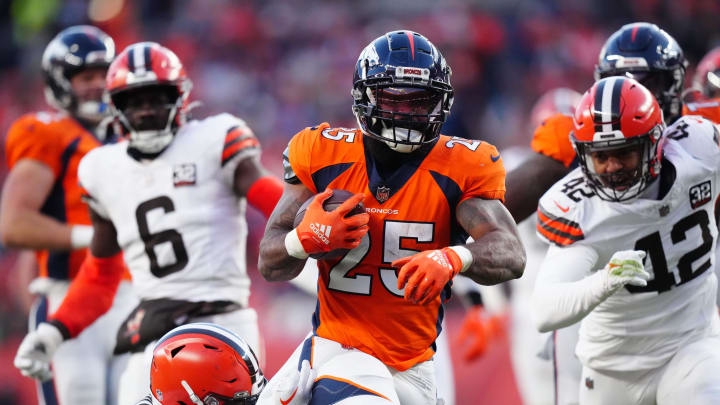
{"x": 42, "y": 210}
{"x": 380, "y": 306}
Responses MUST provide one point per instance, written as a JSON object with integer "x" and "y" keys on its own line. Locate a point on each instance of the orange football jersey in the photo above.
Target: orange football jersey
{"x": 59, "y": 142}
{"x": 709, "y": 109}
{"x": 359, "y": 304}
{"x": 552, "y": 139}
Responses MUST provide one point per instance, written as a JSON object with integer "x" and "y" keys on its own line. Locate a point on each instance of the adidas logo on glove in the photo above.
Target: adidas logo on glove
{"x": 321, "y": 231}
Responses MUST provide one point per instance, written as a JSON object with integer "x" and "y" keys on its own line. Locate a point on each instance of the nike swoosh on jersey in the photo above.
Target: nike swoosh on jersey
{"x": 287, "y": 401}
{"x": 494, "y": 158}
{"x": 563, "y": 209}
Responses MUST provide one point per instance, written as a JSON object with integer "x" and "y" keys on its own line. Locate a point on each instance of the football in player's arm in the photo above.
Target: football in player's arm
{"x": 620, "y": 228}
{"x": 379, "y": 307}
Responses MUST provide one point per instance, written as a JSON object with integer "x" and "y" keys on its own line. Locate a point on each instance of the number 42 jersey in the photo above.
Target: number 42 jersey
{"x": 640, "y": 328}
{"x": 413, "y": 209}
{"x": 180, "y": 226}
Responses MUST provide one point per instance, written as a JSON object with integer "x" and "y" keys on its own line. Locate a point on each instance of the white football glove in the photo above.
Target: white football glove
{"x": 36, "y": 351}
{"x": 625, "y": 267}
{"x": 296, "y": 387}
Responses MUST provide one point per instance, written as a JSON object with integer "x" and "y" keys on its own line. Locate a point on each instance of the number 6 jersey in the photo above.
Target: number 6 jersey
{"x": 640, "y": 328}
{"x": 359, "y": 304}
{"x": 180, "y": 226}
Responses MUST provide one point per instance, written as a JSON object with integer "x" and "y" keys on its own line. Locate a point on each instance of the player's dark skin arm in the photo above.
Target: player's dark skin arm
{"x": 247, "y": 172}
{"x": 274, "y": 263}
{"x": 498, "y": 254}
{"x": 104, "y": 242}
{"x": 528, "y": 182}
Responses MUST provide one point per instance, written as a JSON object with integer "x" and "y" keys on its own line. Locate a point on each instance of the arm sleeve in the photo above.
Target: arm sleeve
{"x": 91, "y": 293}
{"x": 239, "y": 144}
{"x": 565, "y": 290}
{"x": 552, "y": 139}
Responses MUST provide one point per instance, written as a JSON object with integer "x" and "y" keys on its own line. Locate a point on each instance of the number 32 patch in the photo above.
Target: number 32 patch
{"x": 700, "y": 194}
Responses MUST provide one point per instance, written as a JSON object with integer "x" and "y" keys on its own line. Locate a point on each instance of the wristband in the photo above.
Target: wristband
{"x": 294, "y": 247}
{"x": 465, "y": 256}
{"x": 80, "y": 236}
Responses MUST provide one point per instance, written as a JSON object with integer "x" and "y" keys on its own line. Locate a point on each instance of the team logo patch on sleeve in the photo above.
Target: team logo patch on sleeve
{"x": 184, "y": 174}
{"x": 700, "y": 194}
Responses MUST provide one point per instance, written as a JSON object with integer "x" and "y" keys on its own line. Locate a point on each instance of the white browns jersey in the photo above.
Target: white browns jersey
{"x": 180, "y": 226}
{"x": 640, "y": 328}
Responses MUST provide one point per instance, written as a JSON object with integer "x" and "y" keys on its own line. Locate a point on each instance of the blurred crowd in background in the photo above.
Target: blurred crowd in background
{"x": 284, "y": 65}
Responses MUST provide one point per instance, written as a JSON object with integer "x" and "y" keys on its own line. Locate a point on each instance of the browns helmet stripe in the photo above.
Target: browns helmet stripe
{"x": 606, "y": 114}
{"x": 131, "y": 60}
{"x": 148, "y": 59}
{"x": 615, "y": 103}
{"x": 597, "y": 107}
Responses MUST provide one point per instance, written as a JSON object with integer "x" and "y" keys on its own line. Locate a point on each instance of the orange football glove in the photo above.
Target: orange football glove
{"x": 425, "y": 274}
{"x": 321, "y": 231}
{"x": 482, "y": 329}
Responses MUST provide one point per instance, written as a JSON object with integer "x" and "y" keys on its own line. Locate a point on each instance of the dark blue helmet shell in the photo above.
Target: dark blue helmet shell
{"x": 401, "y": 59}
{"x": 71, "y": 51}
{"x": 647, "y": 53}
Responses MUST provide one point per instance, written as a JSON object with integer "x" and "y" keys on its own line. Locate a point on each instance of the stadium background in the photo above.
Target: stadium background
{"x": 285, "y": 65}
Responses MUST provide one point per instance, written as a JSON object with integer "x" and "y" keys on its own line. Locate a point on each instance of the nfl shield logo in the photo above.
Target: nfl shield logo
{"x": 382, "y": 194}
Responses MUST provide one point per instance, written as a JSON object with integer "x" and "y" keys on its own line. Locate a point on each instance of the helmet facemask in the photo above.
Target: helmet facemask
{"x": 627, "y": 183}
{"x": 150, "y": 115}
{"x": 404, "y": 117}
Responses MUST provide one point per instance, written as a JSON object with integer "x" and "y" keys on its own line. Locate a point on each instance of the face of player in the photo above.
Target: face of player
{"x": 89, "y": 84}
{"x": 618, "y": 168}
{"x": 409, "y": 109}
{"x": 146, "y": 108}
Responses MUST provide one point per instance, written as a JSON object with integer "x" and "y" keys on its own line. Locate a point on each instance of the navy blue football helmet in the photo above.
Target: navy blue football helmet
{"x": 73, "y": 50}
{"x": 648, "y": 54}
{"x": 401, "y": 90}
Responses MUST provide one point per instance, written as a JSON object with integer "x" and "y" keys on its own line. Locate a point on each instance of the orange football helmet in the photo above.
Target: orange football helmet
{"x": 204, "y": 364}
{"x": 148, "y": 66}
{"x": 616, "y": 113}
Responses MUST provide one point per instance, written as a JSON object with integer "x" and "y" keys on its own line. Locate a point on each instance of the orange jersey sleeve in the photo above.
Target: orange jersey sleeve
{"x": 709, "y": 109}
{"x": 488, "y": 180}
{"x": 299, "y": 154}
{"x": 31, "y": 137}
{"x": 552, "y": 139}
{"x": 317, "y": 153}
